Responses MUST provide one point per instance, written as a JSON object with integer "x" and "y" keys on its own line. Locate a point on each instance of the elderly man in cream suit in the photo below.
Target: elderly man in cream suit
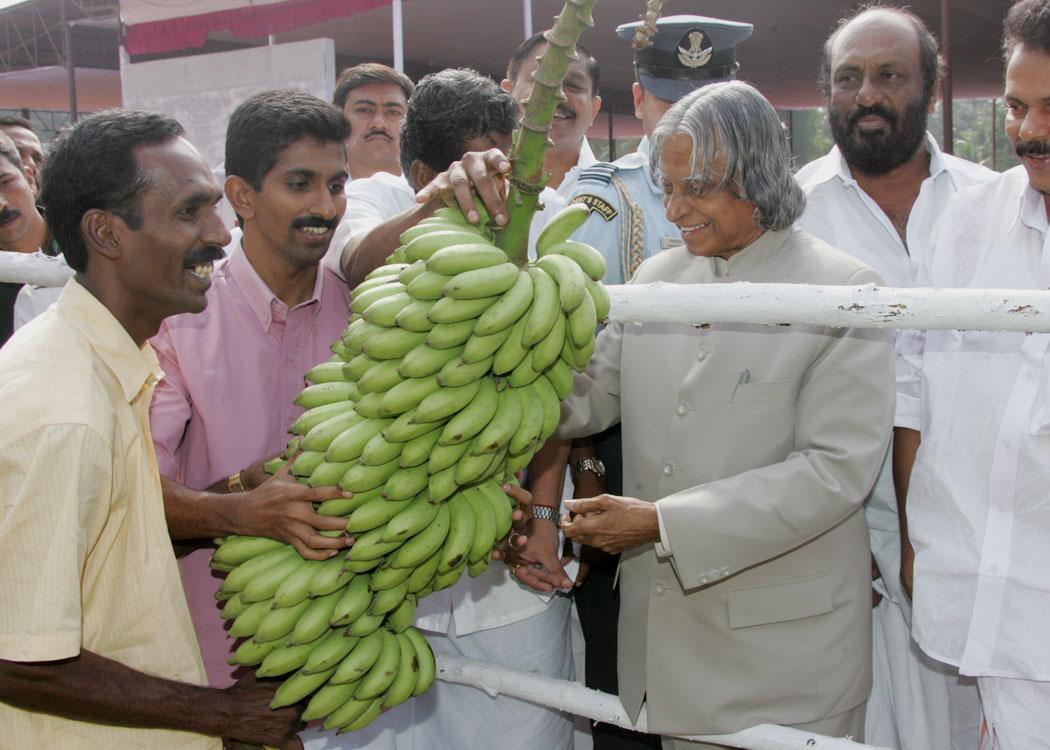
{"x": 748, "y": 451}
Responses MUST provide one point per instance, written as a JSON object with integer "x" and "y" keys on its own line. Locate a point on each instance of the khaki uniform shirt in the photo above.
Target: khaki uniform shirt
{"x": 84, "y": 549}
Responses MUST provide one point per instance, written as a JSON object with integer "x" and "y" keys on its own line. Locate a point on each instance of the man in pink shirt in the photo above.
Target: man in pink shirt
{"x": 231, "y": 372}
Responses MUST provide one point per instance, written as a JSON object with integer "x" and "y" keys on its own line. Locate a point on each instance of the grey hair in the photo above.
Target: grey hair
{"x": 732, "y": 124}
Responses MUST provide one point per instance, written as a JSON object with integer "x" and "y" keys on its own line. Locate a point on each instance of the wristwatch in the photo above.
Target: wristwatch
{"x": 234, "y": 483}
{"x": 547, "y": 513}
{"x": 593, "y": 465}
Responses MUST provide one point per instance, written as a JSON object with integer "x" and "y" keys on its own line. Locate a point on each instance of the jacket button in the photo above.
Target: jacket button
{"x": 702, "y": 354}
{"x": 725, "y": 572}
{"x": 703, "y": 579}
{"x": 668, "y": 469}
{"x": 682, "y": 409}
{"x": 660, "y": 588}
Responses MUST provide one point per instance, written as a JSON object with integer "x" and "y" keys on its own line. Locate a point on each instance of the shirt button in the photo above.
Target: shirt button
{"x": 994, "y": 570}
{"x": 1007, "y": 443}
{"x": 668, "y": 469}
{"x": 660, "y": 588}
{"x": 702, "y": 579}
{"x": 702, "y": 354}
{"x": 682, "y": 409}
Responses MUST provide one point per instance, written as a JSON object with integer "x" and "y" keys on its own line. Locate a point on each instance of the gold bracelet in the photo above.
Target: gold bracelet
{"x": 234, "y": 483}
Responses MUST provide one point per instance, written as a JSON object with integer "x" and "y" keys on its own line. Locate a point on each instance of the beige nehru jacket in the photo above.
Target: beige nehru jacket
{"x": 758, "y": 444}
{"x": 85, "y": 555}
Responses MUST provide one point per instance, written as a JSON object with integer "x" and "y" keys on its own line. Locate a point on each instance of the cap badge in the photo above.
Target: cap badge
{"x": 697, "y": 56}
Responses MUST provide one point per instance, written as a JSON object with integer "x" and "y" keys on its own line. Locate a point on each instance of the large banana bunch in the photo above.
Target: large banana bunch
{"x": 446, "y": 382}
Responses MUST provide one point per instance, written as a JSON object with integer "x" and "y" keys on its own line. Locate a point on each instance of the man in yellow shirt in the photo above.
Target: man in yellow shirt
{"x": 96, "y": 645}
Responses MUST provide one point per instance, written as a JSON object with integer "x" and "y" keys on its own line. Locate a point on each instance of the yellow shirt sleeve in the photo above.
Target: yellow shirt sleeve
{"x": 55, "y": 485}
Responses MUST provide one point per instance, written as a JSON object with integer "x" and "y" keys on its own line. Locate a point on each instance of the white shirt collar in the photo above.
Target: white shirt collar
{"x": 835, "y": 166}
{"x": 1033, "y": 210}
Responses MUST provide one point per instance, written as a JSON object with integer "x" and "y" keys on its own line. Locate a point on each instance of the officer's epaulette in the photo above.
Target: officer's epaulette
{"x": 600, "y": 173}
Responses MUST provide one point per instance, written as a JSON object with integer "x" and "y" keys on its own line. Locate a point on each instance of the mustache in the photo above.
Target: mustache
{"x": 315, "y": 221}
{"x": 566, "y": 111}
{"x": 205, "y": 254}
{"x": 1029, "y": 148}
{"x": 377, "y": 134}
{"x": 877, "y": 109}
{"x": 9, "y": 214}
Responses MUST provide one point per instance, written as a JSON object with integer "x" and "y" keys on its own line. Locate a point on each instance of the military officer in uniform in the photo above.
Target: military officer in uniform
{"x": 687, "y": 52}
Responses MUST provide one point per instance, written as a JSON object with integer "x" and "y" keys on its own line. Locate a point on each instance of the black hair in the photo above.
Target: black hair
{"x": 449, "y": 109}
{"x": 16, "y": 122}
{"x": 1027, "y": 24}
{"x": 93, "y": 166}
{"x": 930, "y": 61}
{"x": 366, "y": 73}
{"x": 519, "y": 55}
{"x": 267, "y": 123}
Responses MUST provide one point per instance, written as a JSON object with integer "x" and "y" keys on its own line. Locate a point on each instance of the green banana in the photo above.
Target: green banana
{"x": 365, "y": 624}
{"x": 390, "y": 269}
{"x": 358, "y": 366}
{"x": 383, "y": 672}
{"x": 433, "y": 225}
{"x": 330, "y": 652}
{"x": 237, "y": 579}
{"x": 504, "y": 423}
{"x": 351, "y": 442}
{"x": 445, "y": 402}
{"x": 451, "y": 310}
{"x": 582, "y": 322}
{"x": 545, "y": 309}
{"x": 314, "y": 621}
{"x": 415, "y": 316}
{"x": 448, "y": 579}
{"x": 412, "y": 271}
{"x": 400, "y": 690}
{"x": 450, "y": 335}
{"x": 407, "y": 394}
{"x": 411, "y": 520}
{"x": 240, "y": 549}
{"x": 406, "y": 484}
{"x": 263, "y": 586}
{"x": 306, "y": 463}
{"x": 477, "y": 567}
{"x": 357, "y": 333}
{"x": 380, "y": 377}
{"x": 347, "y": 713}
{"x": 374, "y": 514}
{"x": 531, "y": 422}
{"x": 547, "y": 351}
{"x": 344, "y": 506}
{"x": 367, "y": 717}
{"x": 502, "y": 506}
{"x": 484, "y": 525}
{"x": 470, "y": 256}
{"x": 296, "y": 587}
{"x": 329, "y": 473}
{"x": 524, "y": 373}
{"x": 323, "y": 393}
{"x": 297, "y": 687}
{"x": 424, "y": 544}
{"x": 510, "y": 307}
{"x": 370, "y": 546}
{"x": 481, "y": 348}
{"x": 423, "y": 574}
{"x": 387, "y": 600}
{"x": 247, "y": 622}
{"x": 233, "y": 607}
{"x": 386, "y": 577}
{"x": 586, "y": 257}
{"x": 337, "y": 348}
{"x": 405, "y": 428}
{"x": 417, "y": 450}
{"x": 427, "y": 285}
{"x": 472, "y": 417}
{"x": 579, "y": 356}
{"x": 284, "y": 659}
{"x": 512, "y": 351}
{"x": 560, "y": 376}
{"x": 329, "y": 576}
{"x": 250, "y": 653}
{"x": 403, "y": 615}
{"x": 357, "y": 663}
{"x": 273, "y": 466}
{"x": 374, "y": 282}
{"x": 571, "y": 280}
{"x": 427, "y": 664}
{"x": 361, "y": 299}
{"x": 370, "y": 405}
{"x": 561, "y": 227}
{"x": 460, "y": 535}
{"x": 442, "y": 484}
{"x": 482, "y": 282}
{"x": 475, "y": 465}
{"x": 551, "y": 406}
{"x": 323, "y": 433}
{"x": 383, "y": 312}
{"x": 445, "y": 456}
{"x": 326, "y": 700}
{"x": 391, "y": 343}
{"x": 278, "y": 623}
{"x": 325, "y": 372}
{"x": 379, "y": 450}
{"x": 459, "y": 372}
{"x": 425, "y": 245}
{"x": 354, "y": 600}
{"x": 424, "y": 361}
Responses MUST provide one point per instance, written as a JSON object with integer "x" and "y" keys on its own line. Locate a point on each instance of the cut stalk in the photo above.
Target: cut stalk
{"x": 531, "y": 139}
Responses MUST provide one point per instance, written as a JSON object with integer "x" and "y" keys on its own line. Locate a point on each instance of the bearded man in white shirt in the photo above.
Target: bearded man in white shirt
{"x": 877, "y": 196}
{"x": 978, "y": 513}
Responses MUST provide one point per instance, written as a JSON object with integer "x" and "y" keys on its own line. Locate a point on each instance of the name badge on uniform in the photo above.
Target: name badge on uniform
{"x": 597, "y": 205}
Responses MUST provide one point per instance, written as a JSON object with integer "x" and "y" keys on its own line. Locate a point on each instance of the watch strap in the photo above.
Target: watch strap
{"x": 547, "y": 513}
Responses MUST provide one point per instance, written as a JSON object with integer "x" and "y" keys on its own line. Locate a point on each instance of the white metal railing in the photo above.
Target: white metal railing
{"x": 576, "y": 699}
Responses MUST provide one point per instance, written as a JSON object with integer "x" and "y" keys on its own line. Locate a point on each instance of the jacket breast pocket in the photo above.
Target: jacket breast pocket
{"x": 779, "y": 602}
{"x": 758, "y": 392}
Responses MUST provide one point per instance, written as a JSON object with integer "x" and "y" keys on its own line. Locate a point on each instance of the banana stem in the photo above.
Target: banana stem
{"x": 530, "y": 140}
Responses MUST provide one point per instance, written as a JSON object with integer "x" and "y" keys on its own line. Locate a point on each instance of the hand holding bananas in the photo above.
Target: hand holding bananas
{"x": 477, "y": 175}
{"x": 537, "y": 563}
{"x": 446, "y": 382}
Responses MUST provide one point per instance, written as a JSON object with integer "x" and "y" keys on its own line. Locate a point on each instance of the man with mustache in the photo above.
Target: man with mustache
{"x": 973, "y": 436}
{"x": 21, "y": 133}
{"x": 231, "y": 373}
{"x": 374, "y": 98}
{"x": 876, "y": 196}
{"x": 97, "y": 649}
